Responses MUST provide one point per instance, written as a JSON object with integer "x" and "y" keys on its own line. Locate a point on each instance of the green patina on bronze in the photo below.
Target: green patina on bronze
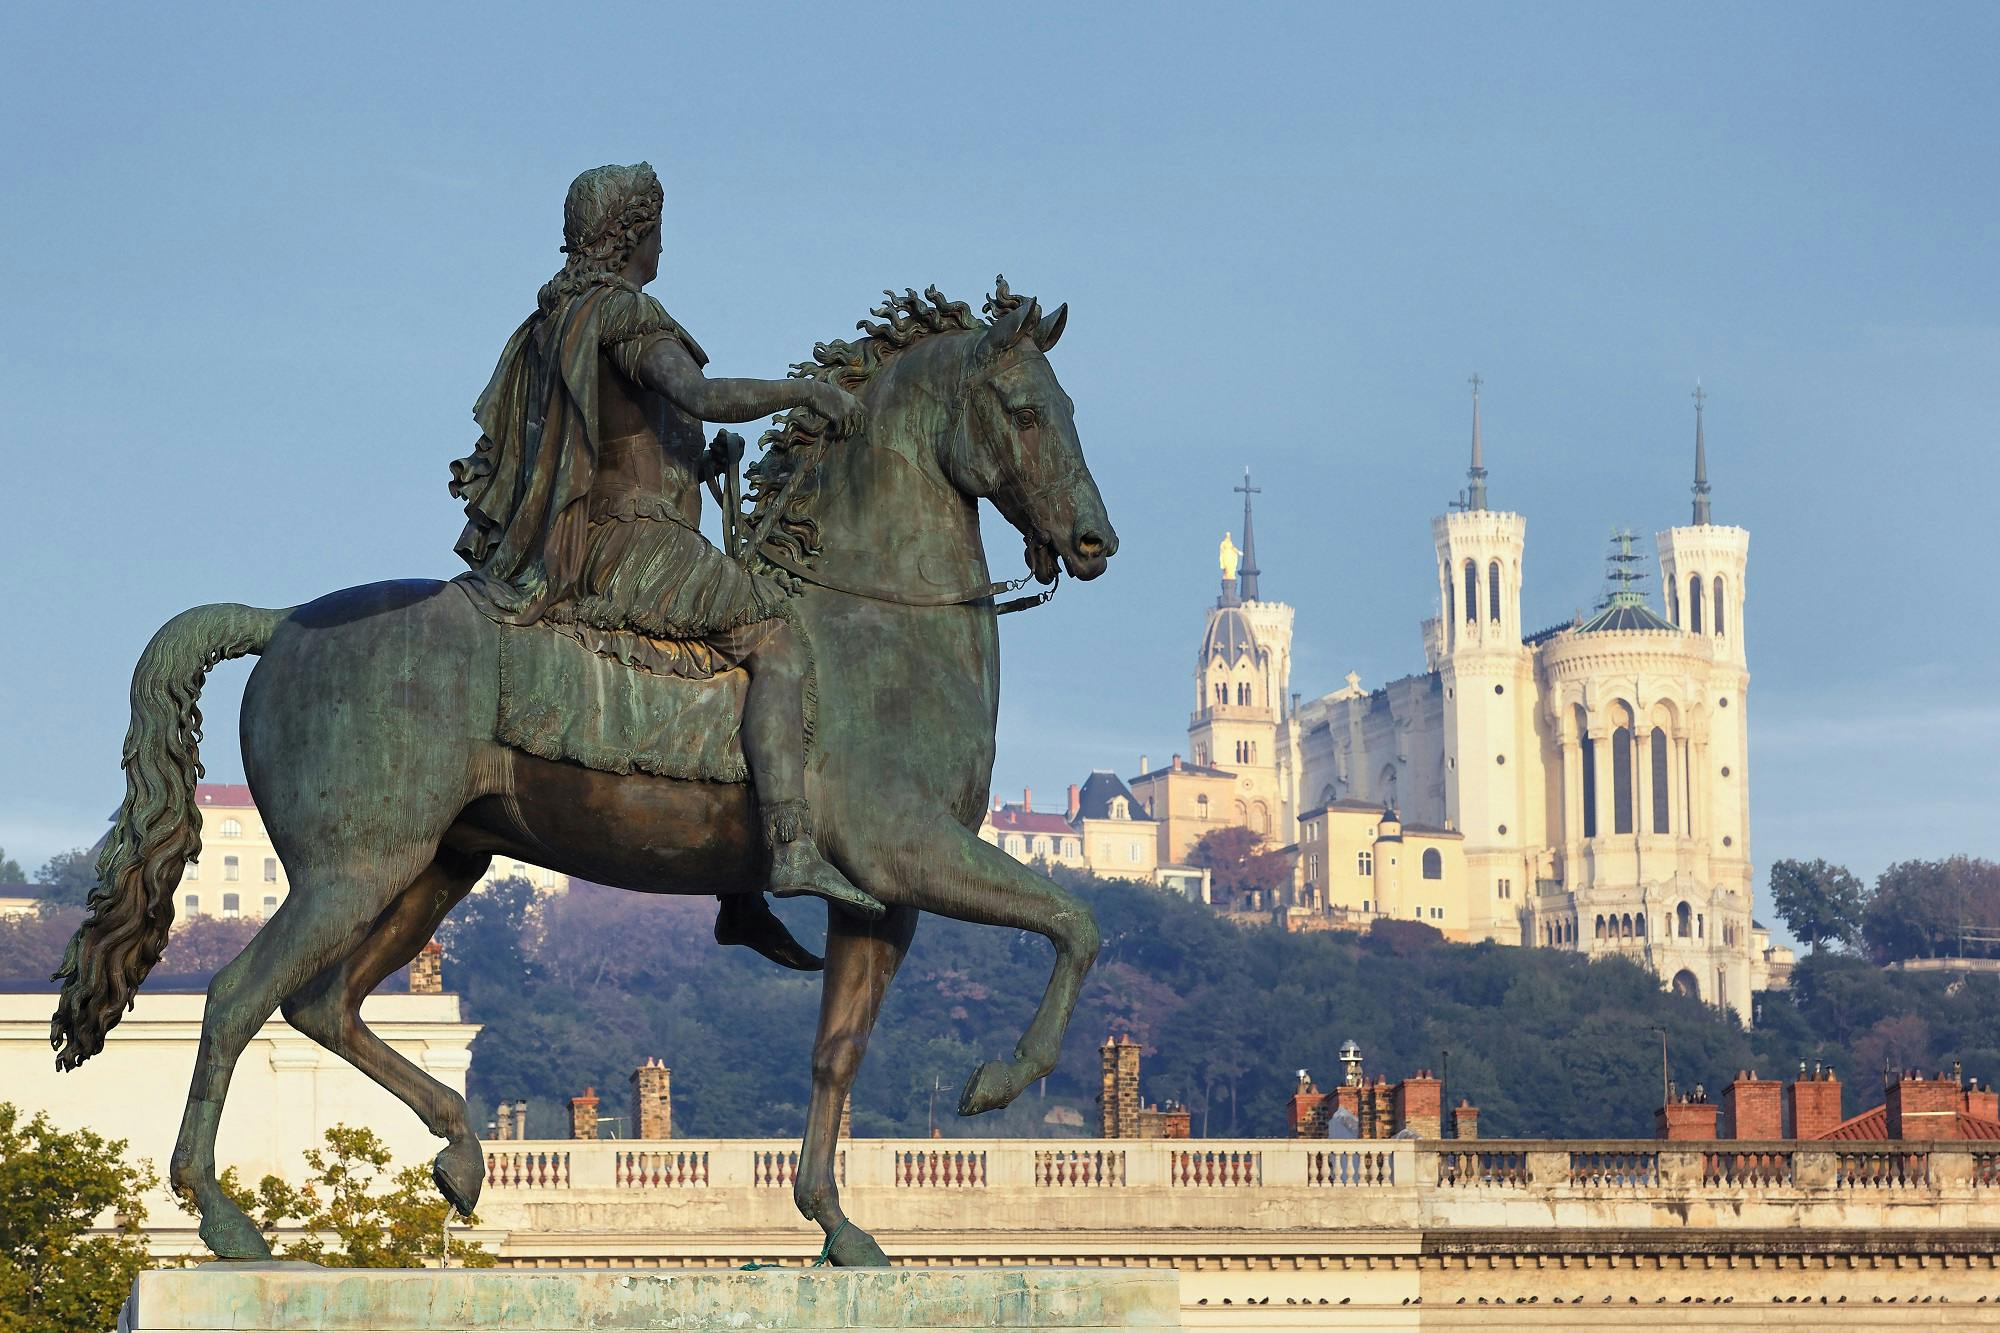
{"x": 372, "y": 732}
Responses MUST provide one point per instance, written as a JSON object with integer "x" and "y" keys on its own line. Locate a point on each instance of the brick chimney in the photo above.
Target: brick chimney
{"x": 510, "y": 1119}
{"x": 1814, "y": 1103}
{"x": 1075, "y": 802}
{"x": 1684, "y": 1121}
{"x": 1118, "y": 1103}
{"x": 652, "y": 1101}
{"x": 1419, "y": 1105}
{"x": 1027, "y": 799}
{"x": 583, "y": 1115}
{"x": 1753, "y": 1108}
{"x": 427, "y": 970}
{"x": 1982, "y": 1103}
{"x": 1923, "y": 1108}
{"x": 1306, "y": 1112}
{"x": 1177, "y": 763}
{"x": 1465, "y": 1120}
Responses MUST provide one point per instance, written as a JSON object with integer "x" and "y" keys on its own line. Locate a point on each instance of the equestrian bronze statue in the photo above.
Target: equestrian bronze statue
{"x": 809, "y": 710}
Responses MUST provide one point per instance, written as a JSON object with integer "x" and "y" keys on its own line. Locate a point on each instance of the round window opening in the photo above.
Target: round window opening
{"x": 1503, "y": 830}
{"x": 1725, "y": 770}
{"x": 1499, "y": 758}
{"x": 1499, "y": 689}
{"x": 1728, "y": 841}
{"x": 1723, "y": 701}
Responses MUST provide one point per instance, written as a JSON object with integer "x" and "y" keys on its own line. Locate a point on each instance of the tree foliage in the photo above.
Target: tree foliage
{"x": 1819, "y": 902}
{"x": 1934, "y": 909}
{"x": 354, "y": 1210}
{"x": 67, "y": 878}
{"x": 1239, "y": 864}
{"x": 56, "y": 1276}
{"x": 10, "y": 869}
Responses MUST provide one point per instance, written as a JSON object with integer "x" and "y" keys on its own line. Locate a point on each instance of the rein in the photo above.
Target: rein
{"x": 879, "y": 594}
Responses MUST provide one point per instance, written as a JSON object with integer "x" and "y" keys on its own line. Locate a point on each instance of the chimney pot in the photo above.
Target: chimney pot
{"x": 1177, "y": 763}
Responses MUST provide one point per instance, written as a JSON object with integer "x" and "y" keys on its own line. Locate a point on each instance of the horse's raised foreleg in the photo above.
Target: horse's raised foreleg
{"x": 322, "y": 920}
{"x": 328, "y": 1009}
{"x": 861, "y": 959}
{"x": 970, "y": 880}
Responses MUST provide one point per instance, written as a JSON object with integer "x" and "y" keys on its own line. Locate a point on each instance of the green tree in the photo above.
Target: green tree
{"x": 10, "y": 869}
{"x": 354, "y": 1211}
{"x": 55, "y": 1275}
{"x": 1923, "y": 909}
{"x": 1819, "y": 902}
{"x": 67, "y": 878}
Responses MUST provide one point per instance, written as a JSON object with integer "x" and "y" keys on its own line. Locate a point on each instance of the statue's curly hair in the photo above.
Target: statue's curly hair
{"x": 608, "y": 210}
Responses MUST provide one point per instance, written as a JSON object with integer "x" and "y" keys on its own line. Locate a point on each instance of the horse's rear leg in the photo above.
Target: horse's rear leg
{"x": 970, "y": 880}
{"x": 328, "y": 1009}
{"x": 323, "y": 918}
{"x": 861, "y": 959}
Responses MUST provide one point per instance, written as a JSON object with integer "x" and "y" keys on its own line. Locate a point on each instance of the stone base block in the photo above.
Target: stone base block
{"x": 272, "y": 1298}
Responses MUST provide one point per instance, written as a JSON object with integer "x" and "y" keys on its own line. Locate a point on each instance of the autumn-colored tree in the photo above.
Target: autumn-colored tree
{"x": 56, "y": 1276}
{"x": 1238, "y": 862}
{"x": 354, "y": 1211}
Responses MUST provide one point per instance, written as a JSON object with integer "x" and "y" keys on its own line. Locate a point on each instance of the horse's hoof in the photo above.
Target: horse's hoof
{"x": 460, "y": 1172}
{"x": 990, "y": 1088}
{"x": 854, "y": 1248}
{"x": 228, "y": 1231}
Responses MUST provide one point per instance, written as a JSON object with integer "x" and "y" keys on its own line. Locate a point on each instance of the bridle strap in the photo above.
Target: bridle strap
{"x": 877, "y": 593}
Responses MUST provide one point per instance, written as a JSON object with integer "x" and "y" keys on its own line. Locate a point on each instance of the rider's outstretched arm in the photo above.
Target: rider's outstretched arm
{"x": 668, "y": 370}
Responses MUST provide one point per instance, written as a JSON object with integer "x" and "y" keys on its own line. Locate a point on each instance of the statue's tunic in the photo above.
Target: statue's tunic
{"x": 582, "y": 497}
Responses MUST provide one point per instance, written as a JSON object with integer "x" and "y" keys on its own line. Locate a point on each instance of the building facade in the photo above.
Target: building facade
{"x": 1583, "y": 787}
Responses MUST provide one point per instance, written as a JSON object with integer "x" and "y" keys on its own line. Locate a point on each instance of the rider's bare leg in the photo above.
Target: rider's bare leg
{"x": 774, "y": 731}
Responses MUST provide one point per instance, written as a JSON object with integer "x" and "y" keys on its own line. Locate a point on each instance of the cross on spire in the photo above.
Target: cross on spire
{"x": 1246, "y": 574}
{"x": 1701, "y": 515}
{"x": 1475, "y": 492}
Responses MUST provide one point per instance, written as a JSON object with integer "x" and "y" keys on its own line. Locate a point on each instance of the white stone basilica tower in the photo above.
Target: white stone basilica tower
{"x": 1489, "y": 712}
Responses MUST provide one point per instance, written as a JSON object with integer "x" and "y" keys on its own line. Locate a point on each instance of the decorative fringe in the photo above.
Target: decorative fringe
{"x": 787, "y": 821}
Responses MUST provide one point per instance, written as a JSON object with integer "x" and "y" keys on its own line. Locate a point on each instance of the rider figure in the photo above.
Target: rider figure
{"x": 583, "y": 503}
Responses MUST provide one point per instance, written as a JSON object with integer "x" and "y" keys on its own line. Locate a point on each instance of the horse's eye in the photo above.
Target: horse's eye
{"x": 1024, "y": 417}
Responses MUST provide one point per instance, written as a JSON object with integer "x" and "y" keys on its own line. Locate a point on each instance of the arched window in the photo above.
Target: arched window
{"x": 1715, "y": 608}
{"x": 1122, "y": 809}
{"x": 1659, "y": 781}
{"x": 1674, "y": 604}
{"x": 1041, "y": 846}
{"x": 1016, "y": 845}
{"x": 1625, "y": 926}
{"x": 232, "y": 828}
{"x": 1694, "y": 603}
{"x": 1639, "y": 926}
{"x": 1260, "y": 818}
{"x": 1685, "y": 984}
{"x": 1700, "y": 926}
{"x": 1221, "y": 693}
{"x": 1243, "y": 692}
{"x": 1493, "y": 591}
{"x": 1471, "y": 592}
{"x": 1599, "y": 934}
{"x": 1433, "y": 863}
{"x": 1621, "y": 780}
{"x": 1450, "y": 600}
{"x": 1684, "y": 920}
{"x": 1201, "y": 806}
{"x": 1587, "y": 747}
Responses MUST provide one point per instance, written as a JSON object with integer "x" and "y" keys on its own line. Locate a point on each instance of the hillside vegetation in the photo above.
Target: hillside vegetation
{"x": 580, "y": 990}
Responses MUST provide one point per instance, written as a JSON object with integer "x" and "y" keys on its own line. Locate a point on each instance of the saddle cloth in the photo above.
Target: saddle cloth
{"x": 561, "y": 700}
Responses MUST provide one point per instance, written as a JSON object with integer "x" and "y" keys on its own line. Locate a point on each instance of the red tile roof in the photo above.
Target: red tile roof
{"x": 1873, "y": 1126}
{"x": 222, "y": 795}
{"x": 1013, "y": 819}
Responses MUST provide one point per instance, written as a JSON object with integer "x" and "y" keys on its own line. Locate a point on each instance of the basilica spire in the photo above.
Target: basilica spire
{"x": 1475, "y": 491}
{"x": 1701, "y": 518}
{"x": 1246, "y": 575}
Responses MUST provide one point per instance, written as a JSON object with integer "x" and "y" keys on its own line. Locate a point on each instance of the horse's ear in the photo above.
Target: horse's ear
{"x": 1051, "y": 329}
{"x": 1008, "y": 330}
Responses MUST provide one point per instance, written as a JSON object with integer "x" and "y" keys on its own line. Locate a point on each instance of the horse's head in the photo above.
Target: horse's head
{"x": 1017, "y": 445}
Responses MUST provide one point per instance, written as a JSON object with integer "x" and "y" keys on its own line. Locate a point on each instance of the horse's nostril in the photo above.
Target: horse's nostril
{"x": 1090, "y": 544}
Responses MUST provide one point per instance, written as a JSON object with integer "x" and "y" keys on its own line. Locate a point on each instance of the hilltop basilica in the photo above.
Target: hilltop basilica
{"x": 1581, "y": 787}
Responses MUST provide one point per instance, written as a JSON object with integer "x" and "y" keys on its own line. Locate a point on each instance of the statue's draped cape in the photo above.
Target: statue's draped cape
{"x": 526, "y": 483}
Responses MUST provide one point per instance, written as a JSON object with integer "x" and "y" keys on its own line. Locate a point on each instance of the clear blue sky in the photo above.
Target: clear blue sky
{"x": 257, "y": 269}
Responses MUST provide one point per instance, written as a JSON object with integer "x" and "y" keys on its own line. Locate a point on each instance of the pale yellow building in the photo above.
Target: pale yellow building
{"x": 1104, "y": 830}
{"x": 1359, "y": 863}
{"x": 240, "y": 873}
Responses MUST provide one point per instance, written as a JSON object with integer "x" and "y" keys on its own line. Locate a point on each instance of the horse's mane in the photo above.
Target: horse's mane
{"x": 793, "y": 442}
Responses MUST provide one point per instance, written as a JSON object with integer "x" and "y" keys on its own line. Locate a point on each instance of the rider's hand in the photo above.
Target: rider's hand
{"x": 842, "y": 409}
{"x": 725, "y": 453}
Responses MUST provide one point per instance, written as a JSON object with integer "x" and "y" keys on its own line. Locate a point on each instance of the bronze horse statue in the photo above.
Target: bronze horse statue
{"x": 368, "y": 738}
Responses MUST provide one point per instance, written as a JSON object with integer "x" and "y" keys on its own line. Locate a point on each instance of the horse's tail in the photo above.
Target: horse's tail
{"x": 158, "y": 829}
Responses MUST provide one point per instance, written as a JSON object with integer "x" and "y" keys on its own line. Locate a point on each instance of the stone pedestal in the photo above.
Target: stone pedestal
{"x": 301, "y": 1299}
